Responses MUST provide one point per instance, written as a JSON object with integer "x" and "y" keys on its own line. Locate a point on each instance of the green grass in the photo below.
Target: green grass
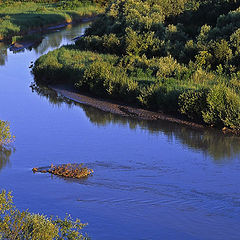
{"x": 21, "y": 17}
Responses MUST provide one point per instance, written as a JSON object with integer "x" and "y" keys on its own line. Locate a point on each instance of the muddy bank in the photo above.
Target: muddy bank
{"x": 116, "y": 107}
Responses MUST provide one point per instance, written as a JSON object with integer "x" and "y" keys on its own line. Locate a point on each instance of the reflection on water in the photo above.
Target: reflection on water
{"x": 3, "y": 54}
{"x": 4, "y": 158}
{"x": 44, "y": 43}
{"x": 209, "y": 141}
{"x": 54, "y": 40}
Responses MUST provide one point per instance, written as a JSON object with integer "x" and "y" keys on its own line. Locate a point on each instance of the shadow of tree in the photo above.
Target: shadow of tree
{"x": 3, "y": 54}
{"x": 208, "y": 13}
{"x": 5, "y": 158}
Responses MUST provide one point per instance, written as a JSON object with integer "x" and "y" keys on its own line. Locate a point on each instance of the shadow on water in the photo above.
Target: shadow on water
{"x": 5, "y": 158}
{"x": 3, "y": 54}
{"x": 41, "y": 43}
{"x": 208, "y": 141}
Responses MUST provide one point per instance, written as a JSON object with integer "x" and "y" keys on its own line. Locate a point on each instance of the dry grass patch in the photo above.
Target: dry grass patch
{"x": 66, "y": 170}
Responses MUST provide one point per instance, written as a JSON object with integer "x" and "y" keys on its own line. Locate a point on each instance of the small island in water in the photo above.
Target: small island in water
{"x": 66, "y": 170}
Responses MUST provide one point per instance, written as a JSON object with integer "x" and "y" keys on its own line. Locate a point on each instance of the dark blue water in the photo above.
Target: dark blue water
{"x": 152, "y": 180}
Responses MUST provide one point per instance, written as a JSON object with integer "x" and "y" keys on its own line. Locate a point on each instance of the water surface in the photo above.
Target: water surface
{"x": 152, "y": 180}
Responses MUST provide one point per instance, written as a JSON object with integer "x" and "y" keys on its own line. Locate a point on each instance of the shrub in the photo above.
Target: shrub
{"x": 192, "y": 103}
{"x": 169, "y": 67}
{"x": 223, "y": 107}
{"x": 104, "y": 79}
{"x": 72, "y": 4}
{"x": 161, "y": 96}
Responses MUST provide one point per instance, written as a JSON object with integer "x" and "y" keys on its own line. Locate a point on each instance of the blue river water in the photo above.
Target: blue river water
{"x": 152, "y": 180}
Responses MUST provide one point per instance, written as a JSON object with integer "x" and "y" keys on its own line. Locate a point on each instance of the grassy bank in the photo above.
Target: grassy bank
{"x": 161, "y": 55}
{"x": 18, "y": 18}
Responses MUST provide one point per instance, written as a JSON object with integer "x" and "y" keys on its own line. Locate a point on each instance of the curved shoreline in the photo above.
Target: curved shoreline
{"x": 125, "y": 110}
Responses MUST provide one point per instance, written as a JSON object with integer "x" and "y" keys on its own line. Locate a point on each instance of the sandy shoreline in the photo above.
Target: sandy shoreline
{"x": 125, "y": 110}
{"x": 119, "y": 108}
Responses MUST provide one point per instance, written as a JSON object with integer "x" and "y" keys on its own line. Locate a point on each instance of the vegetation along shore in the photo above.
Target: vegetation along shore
{"x": 19, "y": 18}
{"x": 16, "y": 224}
{"x": 179, "y": 57}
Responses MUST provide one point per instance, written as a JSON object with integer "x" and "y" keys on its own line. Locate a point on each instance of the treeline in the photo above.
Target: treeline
{"x": 63, "y": 2}
{"x": 180, "y": 57}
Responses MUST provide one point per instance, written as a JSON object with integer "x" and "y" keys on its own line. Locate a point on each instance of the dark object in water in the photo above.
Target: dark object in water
{"x": 66, "y": 170}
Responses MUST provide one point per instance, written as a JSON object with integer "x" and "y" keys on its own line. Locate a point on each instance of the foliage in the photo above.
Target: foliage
{"x": 16, "y": 224}
{"x": 72, "y": 4}
{"x": 224, "y": 107}
{"x": 192, "y": 103}
{"x": 5, "y": 135}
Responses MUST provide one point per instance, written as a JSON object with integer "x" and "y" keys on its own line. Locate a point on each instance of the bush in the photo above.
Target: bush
{"x": 169, "y": 67}
{"x": 104, "y": 79}
{"x": 223, "y": 107}
{"x": 162, "y": 96}
{"x": 72, "y": 4}
{"x": 193, "y": 103}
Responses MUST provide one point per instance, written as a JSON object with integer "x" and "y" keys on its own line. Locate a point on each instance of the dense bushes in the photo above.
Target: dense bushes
{"x": 65, "y": 4}
{"x": 164, "y": 57}
{"x": 223, "y": 107}
{"x": 193, "y": 103}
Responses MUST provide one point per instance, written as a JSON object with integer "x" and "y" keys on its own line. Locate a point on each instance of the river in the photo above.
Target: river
{"x": 152, "y": 180}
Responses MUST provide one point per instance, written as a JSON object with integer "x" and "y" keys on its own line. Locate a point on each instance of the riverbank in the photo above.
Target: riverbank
{"x": 101, "y": 76}
{"x": 125, "y": 110}
{"x": 27, "y": 18}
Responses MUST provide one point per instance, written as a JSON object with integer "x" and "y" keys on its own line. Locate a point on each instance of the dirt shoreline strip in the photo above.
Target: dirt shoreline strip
{"x": 118, "y": 108}
{"x": 128, "y": 111}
